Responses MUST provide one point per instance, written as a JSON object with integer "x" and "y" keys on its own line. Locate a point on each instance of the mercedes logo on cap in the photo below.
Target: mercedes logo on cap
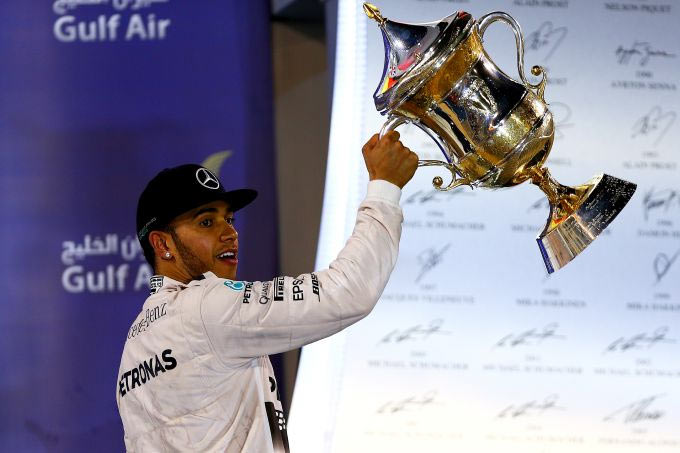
{"x": 207, "y": 179}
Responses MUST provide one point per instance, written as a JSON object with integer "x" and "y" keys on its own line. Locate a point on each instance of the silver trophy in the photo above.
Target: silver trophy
{"x": 494, "y": 131}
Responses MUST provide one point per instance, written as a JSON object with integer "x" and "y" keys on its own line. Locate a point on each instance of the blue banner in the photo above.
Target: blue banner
{"x": 96, "y": 97}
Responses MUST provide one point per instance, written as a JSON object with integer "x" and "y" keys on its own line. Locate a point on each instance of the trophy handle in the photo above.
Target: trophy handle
{"x": 394, "y": 121}
{"x": 484, "y": 22}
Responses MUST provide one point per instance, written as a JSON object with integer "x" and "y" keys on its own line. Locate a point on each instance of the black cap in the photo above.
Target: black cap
{"x": 174, "y": 191}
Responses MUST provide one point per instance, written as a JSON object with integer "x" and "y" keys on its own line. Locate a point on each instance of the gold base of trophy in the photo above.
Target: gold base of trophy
{"x": 577, "y": 214}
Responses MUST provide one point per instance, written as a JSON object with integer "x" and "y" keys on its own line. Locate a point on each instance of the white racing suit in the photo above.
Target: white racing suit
{"x": 195, "y": 376}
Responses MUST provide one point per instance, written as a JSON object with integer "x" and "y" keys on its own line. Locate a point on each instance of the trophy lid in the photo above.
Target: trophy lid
{"x": 413, "y": 52}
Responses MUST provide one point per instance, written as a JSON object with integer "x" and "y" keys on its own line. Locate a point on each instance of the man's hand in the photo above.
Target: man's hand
{"x": 389, "y": 159}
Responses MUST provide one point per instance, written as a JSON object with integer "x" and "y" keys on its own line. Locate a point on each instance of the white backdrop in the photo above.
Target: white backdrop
{"x": 473, "y": 348}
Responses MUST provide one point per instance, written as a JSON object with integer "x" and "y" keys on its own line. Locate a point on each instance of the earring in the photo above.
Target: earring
{"x": 167, "y": 255}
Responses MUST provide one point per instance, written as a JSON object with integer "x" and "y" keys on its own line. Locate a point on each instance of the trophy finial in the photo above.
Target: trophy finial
{"x": 373, "y": 12}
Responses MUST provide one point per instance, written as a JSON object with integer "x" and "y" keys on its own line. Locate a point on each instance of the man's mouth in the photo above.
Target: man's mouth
{"x": 229, "y": 256}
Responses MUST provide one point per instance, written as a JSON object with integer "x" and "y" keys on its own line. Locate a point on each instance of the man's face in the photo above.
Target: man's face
{"x": 206, "y": 240}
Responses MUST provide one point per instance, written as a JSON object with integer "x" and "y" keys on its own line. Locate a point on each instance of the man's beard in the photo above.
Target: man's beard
{"x": 193, "y": 263}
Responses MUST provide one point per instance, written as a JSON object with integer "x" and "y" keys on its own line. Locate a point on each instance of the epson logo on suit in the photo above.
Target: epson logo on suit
{"x": 298, "y": 293}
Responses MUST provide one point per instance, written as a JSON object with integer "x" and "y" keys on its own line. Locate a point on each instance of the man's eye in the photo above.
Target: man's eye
{"x": 206, "y": 223}
{"x": 231, "y": 220}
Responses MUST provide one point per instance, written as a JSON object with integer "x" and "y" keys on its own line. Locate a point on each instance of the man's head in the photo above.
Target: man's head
{"x": 185, "y": 223}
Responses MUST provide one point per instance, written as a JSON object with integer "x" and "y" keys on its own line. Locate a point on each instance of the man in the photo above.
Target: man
{"x": 194, "y": 375}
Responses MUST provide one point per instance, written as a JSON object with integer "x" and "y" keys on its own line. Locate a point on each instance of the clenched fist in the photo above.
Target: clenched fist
{"x": 389, "y": 159}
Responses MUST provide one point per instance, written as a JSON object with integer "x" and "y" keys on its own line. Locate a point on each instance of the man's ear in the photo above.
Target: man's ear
{"x": 163, "y": 245}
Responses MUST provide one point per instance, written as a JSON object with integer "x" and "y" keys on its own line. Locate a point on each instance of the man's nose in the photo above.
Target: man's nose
{"x": 229, "y": 232}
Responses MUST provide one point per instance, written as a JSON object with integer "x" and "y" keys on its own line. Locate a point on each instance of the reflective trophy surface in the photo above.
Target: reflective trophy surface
{"x": 494, "y": 132}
